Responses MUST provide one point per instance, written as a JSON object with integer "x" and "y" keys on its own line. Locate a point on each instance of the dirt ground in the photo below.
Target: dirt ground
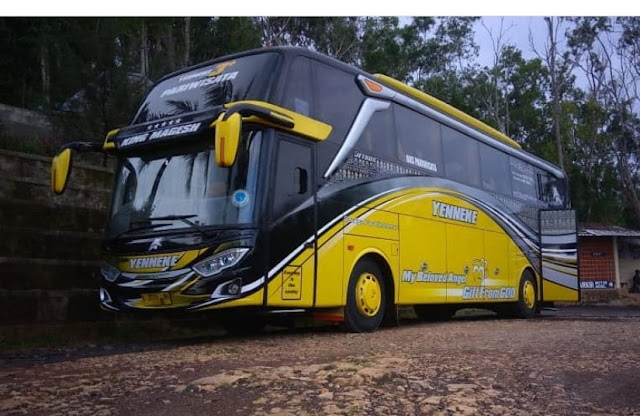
{"x": 575, "y": 361}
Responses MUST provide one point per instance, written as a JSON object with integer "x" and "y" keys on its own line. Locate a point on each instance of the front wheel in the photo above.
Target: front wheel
{"x": 366, "y": 301}
{"x": 527, "y": 305}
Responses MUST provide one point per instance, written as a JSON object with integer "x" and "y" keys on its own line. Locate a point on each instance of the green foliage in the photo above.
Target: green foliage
{"x": 89, "y": 74}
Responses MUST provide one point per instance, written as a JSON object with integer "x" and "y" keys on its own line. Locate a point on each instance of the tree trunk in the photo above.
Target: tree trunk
{"x": 555, "y": 89}
{"x": 144, "y": 51}
{"x": 44, "y": 75}
{"x": 171, "y": 46}
{"x": 187, "y": 41}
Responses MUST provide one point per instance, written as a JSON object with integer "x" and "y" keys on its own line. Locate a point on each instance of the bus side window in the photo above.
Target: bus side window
{"x": 523, "y": 180}
{"x": 378, "y": 139}
{"x": 494, "y": 167}
{"x": 461, "y": 159}
{"x": 293, "y": 175}
{"x": 337, "y": 98}
{"x": 419, "y": 140}
{"x": 298, "y": 96}
{"x": 548, "y": 189}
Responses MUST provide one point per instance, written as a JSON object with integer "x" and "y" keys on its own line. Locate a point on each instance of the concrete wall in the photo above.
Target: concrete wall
{"x": 50, "y": 245}
{"x": 18, "y": 122}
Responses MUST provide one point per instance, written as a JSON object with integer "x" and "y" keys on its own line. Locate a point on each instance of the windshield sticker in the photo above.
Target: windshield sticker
{"x": 168, "y": 132}
{"x": 199, "y": 84}
{"x": 220, "y": 68}
{"x": 240, "y": 198}
{"x": 217, "y": 70}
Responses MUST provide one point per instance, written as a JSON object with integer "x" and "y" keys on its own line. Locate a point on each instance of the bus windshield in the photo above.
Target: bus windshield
{"x": 244, "y": 78}
{"x": 166, "y": 190}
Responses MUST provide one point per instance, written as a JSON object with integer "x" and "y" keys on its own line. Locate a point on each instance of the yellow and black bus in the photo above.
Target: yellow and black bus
{"x": 281, "y": 180}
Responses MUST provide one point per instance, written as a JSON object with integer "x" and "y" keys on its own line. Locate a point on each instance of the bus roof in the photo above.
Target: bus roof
{"x": 411, "y": 93}
{"x": 447, "y": 109}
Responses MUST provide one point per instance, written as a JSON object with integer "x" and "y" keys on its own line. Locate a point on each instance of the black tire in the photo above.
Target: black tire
{"x": 434, "y": 313}
{"x": 527, "y": 305}
{"x": 366, "y": 298}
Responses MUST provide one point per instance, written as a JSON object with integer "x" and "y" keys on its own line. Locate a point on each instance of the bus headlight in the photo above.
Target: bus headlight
{"x": 220, "y": 261}
{"x": 109, "y": 272}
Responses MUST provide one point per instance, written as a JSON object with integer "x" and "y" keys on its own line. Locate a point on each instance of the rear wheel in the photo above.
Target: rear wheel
{"x": 366, "y": 300}
{"x": 527, "y": 305}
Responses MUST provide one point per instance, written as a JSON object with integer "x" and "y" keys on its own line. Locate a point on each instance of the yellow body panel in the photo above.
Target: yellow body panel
{"x": 303, "y": 125}
{"x": 440, "y": 248}
{"x": 498, "y": 273}
{"x": 108, "y": 141}
{"x": 330, "y": 286}
{"x": 559, "y": 293}
{"x": 423, "y": 261}
{"x": 293, "y": 286}
{"x": 374, "y": 223}
{"x": 465, "y": 262}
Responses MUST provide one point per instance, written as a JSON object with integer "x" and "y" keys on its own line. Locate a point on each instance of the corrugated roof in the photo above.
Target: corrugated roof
{"x": 605, "y": 230}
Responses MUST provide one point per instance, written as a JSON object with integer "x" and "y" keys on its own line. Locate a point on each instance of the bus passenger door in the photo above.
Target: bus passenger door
{"x": 466, "y": 264}
{"x": 559, "y": 255}
{"x": 423, "y": 261}
{"x": 292, "y": 225}
{"x": 498, "y": 281}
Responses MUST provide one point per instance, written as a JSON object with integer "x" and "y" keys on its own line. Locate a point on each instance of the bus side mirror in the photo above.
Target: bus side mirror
{"x": 60, "y": 167}
{"x": 227, "y": 139}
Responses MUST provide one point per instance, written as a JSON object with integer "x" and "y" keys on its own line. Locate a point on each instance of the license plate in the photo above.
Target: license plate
{"x": 157, "y": 299}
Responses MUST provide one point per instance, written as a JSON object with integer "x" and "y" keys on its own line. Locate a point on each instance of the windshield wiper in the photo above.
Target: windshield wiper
{"x": 147, "y": 225}
{"x": 142, "y": 228}
{"x": 183, "y": 218}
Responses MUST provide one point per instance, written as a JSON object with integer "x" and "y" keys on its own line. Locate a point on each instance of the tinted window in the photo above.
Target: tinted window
{"x": 378, "y": 138}
{"x": 238, "y": 79}
{"x": 523, "y": 180}
{"x": 419, "y": 141}
{"x": 461, "y": 160}
{"x": 298, "y": 92}
{"x": 293, "y": 176}
{"x": 337, "y": 98}
{"x": 551, "y": 190}
{"x": 494, "y": 166}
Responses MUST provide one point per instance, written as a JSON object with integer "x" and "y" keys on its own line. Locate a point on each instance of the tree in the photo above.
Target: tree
{"x": 609, "y": 63}
{"x": 560, "y": 66}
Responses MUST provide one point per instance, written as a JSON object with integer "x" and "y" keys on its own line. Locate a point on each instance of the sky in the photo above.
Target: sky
{"x": 516, "y": 31}
{"x": 323, "y": 8}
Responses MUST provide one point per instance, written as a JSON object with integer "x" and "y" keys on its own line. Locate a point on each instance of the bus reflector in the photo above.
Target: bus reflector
{"x": 373, "y": 86}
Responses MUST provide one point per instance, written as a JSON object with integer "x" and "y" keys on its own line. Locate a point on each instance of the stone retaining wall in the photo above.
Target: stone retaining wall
{"x": 50, "y": 245}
